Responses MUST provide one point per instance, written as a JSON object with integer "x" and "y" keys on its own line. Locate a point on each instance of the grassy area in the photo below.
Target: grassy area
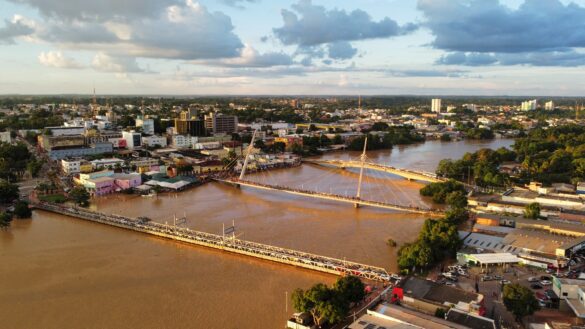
{"x": 55, "y": 198}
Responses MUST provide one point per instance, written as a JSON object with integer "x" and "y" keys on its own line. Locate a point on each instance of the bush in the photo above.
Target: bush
{"x": 21, "y": 210}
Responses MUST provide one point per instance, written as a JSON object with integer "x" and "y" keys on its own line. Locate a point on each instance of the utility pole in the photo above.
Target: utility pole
{"x": 248, "y": 155}
{"x": 363, "y": 161}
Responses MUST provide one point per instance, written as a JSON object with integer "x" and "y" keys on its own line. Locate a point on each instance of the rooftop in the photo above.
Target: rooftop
{"x": 470, "y": 320}
{"x": 432, "y": 291}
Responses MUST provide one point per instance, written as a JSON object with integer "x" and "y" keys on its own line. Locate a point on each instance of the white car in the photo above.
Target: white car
{"x": 533, "y": 279}
{"x": 545, "y": 283}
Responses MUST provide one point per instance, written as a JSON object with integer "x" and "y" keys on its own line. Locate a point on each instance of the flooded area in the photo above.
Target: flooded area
{"x": 59, "y": 272}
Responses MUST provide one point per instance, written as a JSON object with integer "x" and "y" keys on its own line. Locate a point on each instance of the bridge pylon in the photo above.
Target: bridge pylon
{"x": 363, "y": 161}
{"x": 247, "y": 156}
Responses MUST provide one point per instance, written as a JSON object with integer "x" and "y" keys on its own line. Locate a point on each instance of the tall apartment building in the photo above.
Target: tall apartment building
{"x": 436, "y": 105}
{"x": 549, "y": 106}
{"x": 190, "y": 127}
{"x": 146, "y": 124}
{"x": 529, "y": 105}
{"x": 221, "y": 124}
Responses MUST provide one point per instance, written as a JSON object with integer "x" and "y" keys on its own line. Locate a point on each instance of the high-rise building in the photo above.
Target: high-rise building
{"x": 189, "y": 114}
{"x": 529, "y": 105}
{"x": 133, "y": 139}
{"x": 146, "y": 124}
{"x": 549, "y": 106}
{"x": 221, "y": 124}
{"x": 436, "y": 105}
{"x": 190, "y": 127}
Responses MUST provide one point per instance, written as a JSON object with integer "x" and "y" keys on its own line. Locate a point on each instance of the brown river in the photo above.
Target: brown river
{"x": 60, "y": 272}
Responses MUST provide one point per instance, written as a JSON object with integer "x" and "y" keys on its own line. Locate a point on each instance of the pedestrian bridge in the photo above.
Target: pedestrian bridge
{"x": 408, "y": 174}
{"x": 334, "y": 197}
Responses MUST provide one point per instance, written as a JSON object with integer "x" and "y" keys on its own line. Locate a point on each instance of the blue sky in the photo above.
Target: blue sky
{"x": 261, "y": 47}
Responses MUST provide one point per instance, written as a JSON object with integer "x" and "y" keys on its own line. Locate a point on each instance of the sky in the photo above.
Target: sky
{"x": 300, "y": 47}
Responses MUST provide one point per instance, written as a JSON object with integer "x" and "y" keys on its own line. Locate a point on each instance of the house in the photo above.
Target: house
{"x": 427, "y": 296}
{"x": 469, "y": 319}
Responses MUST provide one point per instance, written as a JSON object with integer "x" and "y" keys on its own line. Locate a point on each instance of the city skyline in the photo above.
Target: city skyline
{"x": 303, "y": 47}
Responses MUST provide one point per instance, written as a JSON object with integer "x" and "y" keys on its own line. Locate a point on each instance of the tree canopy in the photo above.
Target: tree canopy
{"x": 8, "y": 191}
{"x": 532, "y": 210}
{"x": 329, "y": 305}
{"x": 519, "y": 300}
{"x": 79, "y": 195}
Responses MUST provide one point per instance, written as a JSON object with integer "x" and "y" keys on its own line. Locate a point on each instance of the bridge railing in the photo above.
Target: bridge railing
{"x": 227, "y": 243}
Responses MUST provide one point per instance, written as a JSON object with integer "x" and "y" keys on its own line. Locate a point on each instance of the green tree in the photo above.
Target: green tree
{"x": 351, "y": 288}
{"x": 21, "y": 210}
{"x": 519, "y": 300}
{"x": 8, "y": 191}
{"x": 5, "y": 219}
{"x": 80, "y": 196}
{"x": 456, "y": 199}
{"x": 532, "y": 210}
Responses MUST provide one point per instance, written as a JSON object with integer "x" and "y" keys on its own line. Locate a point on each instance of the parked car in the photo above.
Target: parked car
{"x": 535, "y": 286}
{"x": 550, "y": 294}
{"x": 545, "y": 282}
{"x": 448, "y": 275}
{"x": 533, "y": 279}
{"x": 486, "y": 278}
{"x": 505, "y": 281}
{"x": 544, "y": 277}
{"x": 498, "y": 277}
{"x": 449, "y": 283}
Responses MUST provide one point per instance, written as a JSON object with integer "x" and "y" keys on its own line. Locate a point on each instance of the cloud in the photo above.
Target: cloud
{"x": 310, "y": 25}
{"x": 105, "y": 63}
{"x": 17, "y": 27}
{"x": 187, "y": 31}
{"x": 549, "y": 58}
{"x": 428, "y": 73}
{"x": 58, "y": 60}
{"x": 490, "y": 27}
{"x": 100, "y": 10}
{"x": 341, "y": 50}
{"x": 236, "y": 3}
{"x": 467, "y": 59}
{"x": 250, "y": 57}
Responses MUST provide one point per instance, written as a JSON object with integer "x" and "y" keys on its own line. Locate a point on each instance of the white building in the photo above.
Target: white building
{"x": 152, "y": 141}
{"x": 146, "y": 124}
{"x": 5, "y": 137}
{"x": 133, "y": 139}
{"x": 66, "y": 130}
{"x": 106, "y": 163}
{"x": 182, "y": 141}
{"x": 436, "y": 105}
{"x": 529, "y": 105}
{"x": 71, "y": 166}
{"x": 549, "y": 106}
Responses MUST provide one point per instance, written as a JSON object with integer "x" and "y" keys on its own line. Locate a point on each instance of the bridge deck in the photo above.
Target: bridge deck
{"x": 243, "y": 247}
{"x": 335, "y": 197}
{"x": 409, "y": 174}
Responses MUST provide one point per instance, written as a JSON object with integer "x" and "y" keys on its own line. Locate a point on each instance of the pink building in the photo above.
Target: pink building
{"x": 126, "y": 181}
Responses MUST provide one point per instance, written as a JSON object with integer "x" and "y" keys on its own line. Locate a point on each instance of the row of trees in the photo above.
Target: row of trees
{"x": 437, "y": 239}
{"x": 329, "y": 304}
{"x": 16, "y": 159}
{"x": 552, "y": 155}
{"x": 21, "y": 211}
{"x": 481, "y": 167}
{"x": 450, "y": 192}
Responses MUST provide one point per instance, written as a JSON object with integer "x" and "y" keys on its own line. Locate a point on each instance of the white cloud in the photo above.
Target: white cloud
{"x": 105, "y": 63}
{"x": 58, "y": 60}
{"x": 250, "y": 57}
{"x": 16, "y": 27}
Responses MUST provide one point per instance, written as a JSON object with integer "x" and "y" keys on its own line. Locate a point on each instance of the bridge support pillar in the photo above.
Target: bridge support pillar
{"x": 356, "y": 205}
